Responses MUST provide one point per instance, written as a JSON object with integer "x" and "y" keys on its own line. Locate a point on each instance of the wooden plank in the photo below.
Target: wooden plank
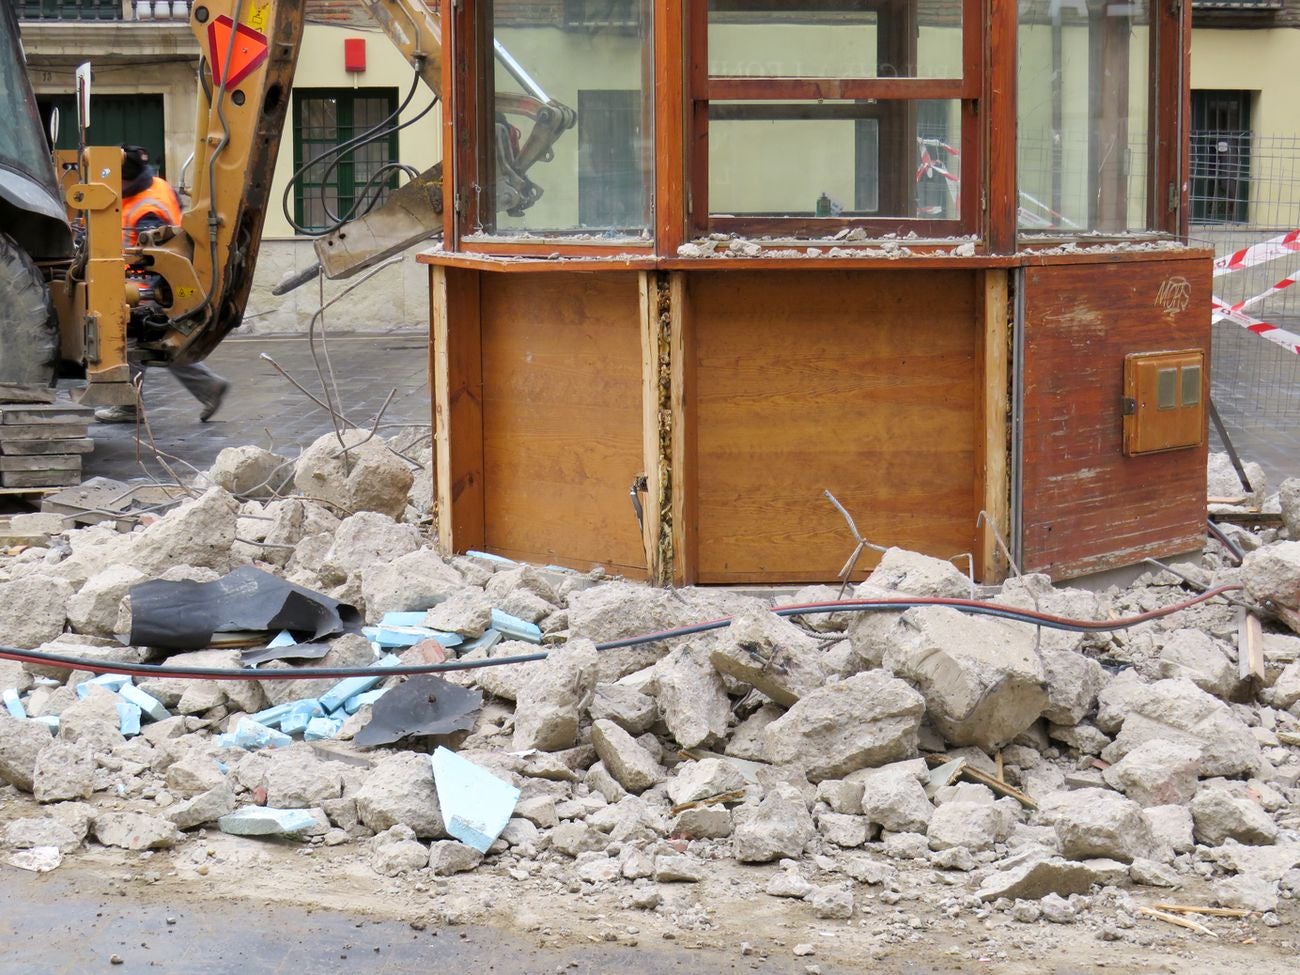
{"x": 58, "y": 462}
{"x": 43, "y": 431}
{"x": 684, "y": 487}
{"x": 994, "y": 484}
{"x": 1000, "y": 119}
{"x": 879, "y": 89}
{"x": 1086, "y": 506}
{"x": 1250, "y": 646}
{"x": 562, "y": 416}
{"x": 669, "y": 77}
{"x": 863, "y": 384}
{"x": 654, "y": 373}
{"x": 458, "y": 407}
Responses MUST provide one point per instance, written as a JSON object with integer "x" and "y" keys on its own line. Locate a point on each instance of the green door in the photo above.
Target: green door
{"x": 114, "y": 119}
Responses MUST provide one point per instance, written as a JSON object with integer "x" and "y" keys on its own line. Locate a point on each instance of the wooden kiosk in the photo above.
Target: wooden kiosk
{"x": 926, "y": 255}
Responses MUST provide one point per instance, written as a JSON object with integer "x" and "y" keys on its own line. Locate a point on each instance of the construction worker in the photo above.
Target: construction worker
{"x": 148, "y": 201}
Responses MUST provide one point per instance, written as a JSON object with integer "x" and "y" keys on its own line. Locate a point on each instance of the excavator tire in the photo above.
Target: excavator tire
{"x": 29, "y": 331}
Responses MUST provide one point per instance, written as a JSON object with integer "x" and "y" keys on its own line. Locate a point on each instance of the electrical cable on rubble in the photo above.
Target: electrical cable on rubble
{"x": 975, "y": 607}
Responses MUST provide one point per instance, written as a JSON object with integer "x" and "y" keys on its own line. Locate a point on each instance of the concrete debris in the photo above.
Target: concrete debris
{"x": 1222, "y": 812}
{"x": 1288, "y": 495}
{"x": 982, "y": 679}
{"x": 867, "y": 720}
{"x": 1139, "y": 758}
{"x": 33, "y": 609}
{"x": 631, "y": 765}
{"x": 1271, "y": 576}
{"x": 552, "y": 695}
{"x": 251, "y": 472}
{"x": 134, "y": 831}
{"x": 692, "y": 699}
{"x": 1157, "y": 773}
{"x": 778, "y": 826}
{"x": 1178, "y": 710}
{"x": 399, "y": 789}
{"x": 1094, "y": 823}
{"x": 362, "y": 474}
{"x": 772, "y": 655}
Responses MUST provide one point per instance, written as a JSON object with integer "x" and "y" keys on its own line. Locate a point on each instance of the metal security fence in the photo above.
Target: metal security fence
{"x": 1245, "y": 202}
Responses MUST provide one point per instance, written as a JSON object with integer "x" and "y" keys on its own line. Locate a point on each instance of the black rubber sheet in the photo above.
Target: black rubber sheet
{"x": 422, "y": 705}
{"x": 186, "y": 615}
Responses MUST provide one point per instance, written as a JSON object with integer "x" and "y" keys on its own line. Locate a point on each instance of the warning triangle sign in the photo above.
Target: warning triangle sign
{"x": 246, "y": 54}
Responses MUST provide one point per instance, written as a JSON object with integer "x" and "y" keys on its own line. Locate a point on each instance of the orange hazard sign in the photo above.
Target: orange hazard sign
{"x": 247, "y": 52}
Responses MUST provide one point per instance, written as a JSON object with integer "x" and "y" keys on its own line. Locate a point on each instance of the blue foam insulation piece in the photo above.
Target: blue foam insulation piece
{"x": 12, "y": 704}
{"x": 111, "y": 682}
{"x": 333, "y": 699}
{"x": 475, "y": 804}
{"x": 513, "y": 628}
{"x": 147, "y": 703}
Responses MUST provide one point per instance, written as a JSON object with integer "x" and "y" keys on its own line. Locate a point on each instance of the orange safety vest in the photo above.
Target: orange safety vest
{"x": 157, "y": 199}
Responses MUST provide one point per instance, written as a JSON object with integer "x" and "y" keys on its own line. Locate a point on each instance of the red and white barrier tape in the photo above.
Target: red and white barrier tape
{"x": 1266, "y": 330}
{"x": 1261, "y": 253}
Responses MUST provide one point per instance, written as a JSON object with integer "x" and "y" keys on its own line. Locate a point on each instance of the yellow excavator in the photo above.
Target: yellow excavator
{"x": 65, "y": 295}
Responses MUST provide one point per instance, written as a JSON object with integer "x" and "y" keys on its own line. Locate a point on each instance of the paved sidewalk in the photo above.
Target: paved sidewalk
{"x": 264, "y": 408}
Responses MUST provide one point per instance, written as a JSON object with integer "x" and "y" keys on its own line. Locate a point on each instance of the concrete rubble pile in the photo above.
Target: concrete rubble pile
{"x": 975, "y": 762}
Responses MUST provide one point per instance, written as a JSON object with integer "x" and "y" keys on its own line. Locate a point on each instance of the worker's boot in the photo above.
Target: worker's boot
{"x": 118, "y": 414}
{"x": 212, "y": 399}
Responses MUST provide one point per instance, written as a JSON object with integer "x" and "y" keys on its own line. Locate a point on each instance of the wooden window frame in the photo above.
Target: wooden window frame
{"x": 704, "y": 88}
{"x": 677, "y": 75}
{"x": 304, "y": 186}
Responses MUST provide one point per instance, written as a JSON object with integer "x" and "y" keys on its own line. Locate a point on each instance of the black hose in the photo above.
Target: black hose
{"x": 888, "y": 604}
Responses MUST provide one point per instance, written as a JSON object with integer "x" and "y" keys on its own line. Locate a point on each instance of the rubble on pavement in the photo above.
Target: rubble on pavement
{"x": 1070, "y": 775}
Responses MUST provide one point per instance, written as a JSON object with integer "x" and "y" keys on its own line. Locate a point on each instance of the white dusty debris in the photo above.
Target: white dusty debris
{"x": 849, "y": 760}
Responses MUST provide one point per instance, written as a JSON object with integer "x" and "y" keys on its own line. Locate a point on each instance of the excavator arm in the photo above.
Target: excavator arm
{"x": 249, "y": 50}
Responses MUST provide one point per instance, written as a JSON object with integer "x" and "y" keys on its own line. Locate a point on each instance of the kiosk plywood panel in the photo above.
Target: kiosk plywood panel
{"x": 865, "y": 384}
{"x": 562, "y": 437}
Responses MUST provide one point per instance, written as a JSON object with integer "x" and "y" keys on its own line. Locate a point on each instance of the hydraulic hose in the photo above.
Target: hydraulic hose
{"x": 886, "y": 604}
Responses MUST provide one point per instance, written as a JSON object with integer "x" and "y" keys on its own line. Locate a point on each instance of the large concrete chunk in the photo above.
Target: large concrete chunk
{"x": 204, "y": 808}
{"x": 634, "y": 768}
{"x": 20, "y": 743}
{"x": 703, "y": 779}
{"x": 1094, "y": 823}
{"x": 63, "y": 771}
{"x": 982, "y": 680}
{"x": 399, "y": 789}
{"x": 1221, "y": 812}
{"x": 867, "y": 720}
{"x": 622, "y": 609}
{"x": 32, "y": 610}
{"x": 367, "y": 476}
{"x": 1272, "y": 575}
{"x": 1073, "y": 683}
{"x": 899, "y": 573}
{"x": 779, "y": 826}
{"x": 199, "y": 532}
{"x": 251, "y": 472}
{"x": 365, "y": 539}
{"x": 773, "y": 655}
{"x": 95, "y": 608}
{"x": 296, "y": 779}
{"x": 1178, "y": 710}
{"x": 134, "y": 831}
{"x": 627, "y": 707}
{"x": 1288, "y": 494}
{"x": 1200, "y": 658}
{"x": 415, "y": 581}
{"x": 894, "y": 798}
{"x": 691, "y": 696}
{"x": 1038, "y": 878}
{"x": 974, "y": 826}
{"x": 25, "y": 834}
{"x": 1157, "y": 773}
{"x": 551, "y": 696}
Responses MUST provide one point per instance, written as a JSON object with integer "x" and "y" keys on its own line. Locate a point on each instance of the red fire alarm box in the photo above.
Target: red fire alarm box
{"x": 354, "y": 54}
